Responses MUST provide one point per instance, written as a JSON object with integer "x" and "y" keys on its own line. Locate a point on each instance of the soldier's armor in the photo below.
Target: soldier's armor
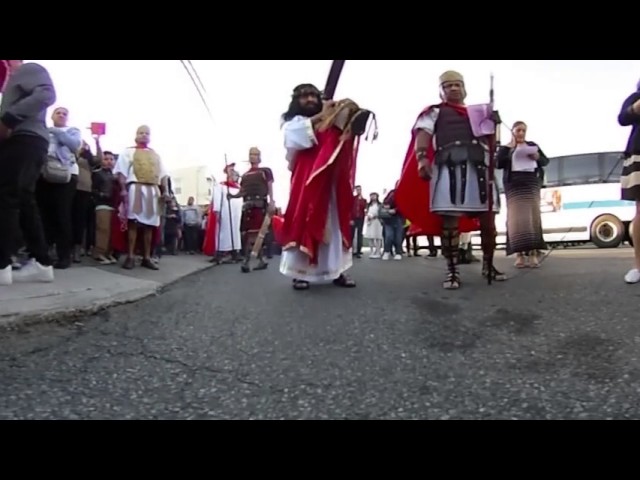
{"x": 146, "y": 166}
{"x": 456, "y": 145}
{"x": 254, "y": 186}
{"x": 452, "y": 127}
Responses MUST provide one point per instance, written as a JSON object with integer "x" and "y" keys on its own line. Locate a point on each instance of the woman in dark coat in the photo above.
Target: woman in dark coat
{"x": 523, "y": 162}
{"x": 630, "y": 178}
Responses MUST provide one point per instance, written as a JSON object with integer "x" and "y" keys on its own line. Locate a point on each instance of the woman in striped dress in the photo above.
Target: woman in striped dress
{"x": 630, "y": 178}
{"x": 522, "y": 179}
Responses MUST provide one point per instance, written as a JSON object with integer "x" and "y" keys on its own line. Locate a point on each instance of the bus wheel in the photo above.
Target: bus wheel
{"x": 607, "y": 231}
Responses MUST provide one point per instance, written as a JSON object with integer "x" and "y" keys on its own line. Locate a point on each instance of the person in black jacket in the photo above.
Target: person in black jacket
{"x": 522, "y": 178}
{"x": 393, "y": 227}
{"x": 630, "y": 178}
{"x": 103, "y": 184}
{"x": 172, "y": 227}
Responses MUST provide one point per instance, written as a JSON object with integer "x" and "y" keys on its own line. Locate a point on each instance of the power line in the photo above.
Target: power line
{"x": 198, "y": 88}
{"x": 197, "y": 76}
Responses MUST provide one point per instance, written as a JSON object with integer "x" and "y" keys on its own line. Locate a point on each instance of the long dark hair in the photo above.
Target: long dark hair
{"x": 294, "y": 106}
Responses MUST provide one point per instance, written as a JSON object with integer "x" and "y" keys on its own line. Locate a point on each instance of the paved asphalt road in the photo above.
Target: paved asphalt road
{"x": 559, "y": 342}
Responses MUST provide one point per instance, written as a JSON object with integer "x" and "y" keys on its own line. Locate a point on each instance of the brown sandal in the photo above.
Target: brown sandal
{"x": 301, "y": 285}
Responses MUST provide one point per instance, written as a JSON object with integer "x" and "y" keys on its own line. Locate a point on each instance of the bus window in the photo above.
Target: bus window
{"x": 552, "y": 173}
{"x": 580, "y": 169}
{"x": 499, "y": 178}
{"x": 612, "y": 163}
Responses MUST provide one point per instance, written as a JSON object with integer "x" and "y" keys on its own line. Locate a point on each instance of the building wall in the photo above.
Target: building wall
{"x": 195, "y": 182}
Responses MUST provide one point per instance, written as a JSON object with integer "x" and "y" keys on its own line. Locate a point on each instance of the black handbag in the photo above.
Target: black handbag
{"x": 384, "y": 213}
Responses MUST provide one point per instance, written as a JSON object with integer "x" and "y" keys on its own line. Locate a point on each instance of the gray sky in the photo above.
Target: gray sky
{"x": 570, "y": 105}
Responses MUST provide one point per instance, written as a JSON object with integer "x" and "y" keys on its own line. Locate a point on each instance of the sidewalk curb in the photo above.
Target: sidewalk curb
{"x": 63, "y": 316}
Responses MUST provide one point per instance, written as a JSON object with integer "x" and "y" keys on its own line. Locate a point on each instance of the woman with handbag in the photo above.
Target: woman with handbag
{"x": 393, "y": 227}
{"x": 523, "y": 162}
{"x": 57, "y": 186}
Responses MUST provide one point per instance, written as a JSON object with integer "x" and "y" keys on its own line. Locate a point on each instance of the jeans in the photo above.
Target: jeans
{"x": 190, "y": 237}
{"x": 21, "y": 160}
{"x": 55, "y": 201}
{"x": 357, "y": 235}
{"x": 81, "y": 207}
{"x": 102, "y": 246}
{"x": 393, "y": 235}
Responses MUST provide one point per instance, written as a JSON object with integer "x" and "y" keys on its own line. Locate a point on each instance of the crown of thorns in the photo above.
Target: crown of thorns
{"x": 306, "y": 87}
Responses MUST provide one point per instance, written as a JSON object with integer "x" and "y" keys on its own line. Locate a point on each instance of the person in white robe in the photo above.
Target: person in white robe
{"x": 229, "y": 213}
{"x": 141, "y": 174}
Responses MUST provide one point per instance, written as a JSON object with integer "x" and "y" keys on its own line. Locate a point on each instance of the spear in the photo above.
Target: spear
{"x": 494, "y": 144}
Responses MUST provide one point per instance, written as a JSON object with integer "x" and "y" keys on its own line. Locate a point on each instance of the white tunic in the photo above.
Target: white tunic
{"x": 229, "y": 214}
{"x": 373, "y": 226}
{"x": 333, "y": 258}
{"x": 124, "y": 167}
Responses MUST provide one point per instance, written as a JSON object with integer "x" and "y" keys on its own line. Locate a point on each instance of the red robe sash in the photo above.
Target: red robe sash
{"x": 210, "y": 243}
{"x": 413, "y": 194}
{"x": 230, "y": 184}
{"x": 315, "y": 172}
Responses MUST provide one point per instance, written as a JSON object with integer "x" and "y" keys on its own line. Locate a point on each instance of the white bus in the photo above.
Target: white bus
{"x": 580, "y": 202}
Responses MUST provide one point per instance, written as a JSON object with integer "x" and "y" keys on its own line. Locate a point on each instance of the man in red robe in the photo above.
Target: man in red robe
{"x": 445, "y": 180}
{"x": 316, "y": 232}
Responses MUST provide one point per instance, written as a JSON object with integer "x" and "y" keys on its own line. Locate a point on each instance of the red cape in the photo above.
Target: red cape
{"x": 313, "y": 176}
{"x": 413, "y": 194}
{"x": 277, "y": 223}
{"x": 209, "y": 245}
{"x": 415, "y": 230}
{"x": 4, "y": 74}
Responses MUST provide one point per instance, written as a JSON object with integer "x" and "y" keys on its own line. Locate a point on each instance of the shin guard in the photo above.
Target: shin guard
{"x": 450, "y": 240}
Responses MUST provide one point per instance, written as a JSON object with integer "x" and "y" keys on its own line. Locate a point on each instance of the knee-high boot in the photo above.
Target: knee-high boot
{"x": 488, "y": 238}
{"x": 450, "y": 240}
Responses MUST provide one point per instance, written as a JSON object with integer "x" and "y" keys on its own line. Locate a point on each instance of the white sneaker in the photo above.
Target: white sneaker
{"x": 6, "y": 276}
{"x": 34, "y": 272}
{"x": 386, "y": 256}
{"x": 397, "y": 257}
{"x": 632, "y": 276}
{"x": 374, "y": 256}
